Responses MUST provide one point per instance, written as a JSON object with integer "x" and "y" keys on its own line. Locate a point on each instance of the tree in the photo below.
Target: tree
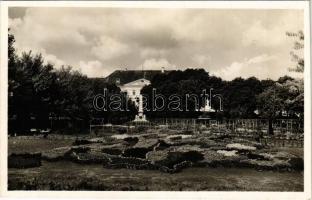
{"x": 38, "y": 91}
{"x": 270, "y": 104}
{"x": 180, "y": 83}
{"x": 294, "y": 99}
{"x": 29, "y": 89}
{"x": 240, "y": 97}
{"x": 298, "y": 45}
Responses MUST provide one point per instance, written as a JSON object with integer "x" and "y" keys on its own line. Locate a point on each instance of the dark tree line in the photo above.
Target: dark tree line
{"x": 241, "y": 98}
{"x": 238, "y": 96}
{"x": 39, "y": 94}
{"x": 190, "y": 82}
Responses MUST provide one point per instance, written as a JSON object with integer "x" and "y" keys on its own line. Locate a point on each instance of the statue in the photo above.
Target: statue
{"x": 207, "y": 107}
{"x": 140, "y": 117}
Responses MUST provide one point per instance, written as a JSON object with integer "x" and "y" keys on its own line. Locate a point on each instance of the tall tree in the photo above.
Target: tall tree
{"x": 240, "y": 97}
{"x": 270, "y": 104}
{"x": 295, "y": 54}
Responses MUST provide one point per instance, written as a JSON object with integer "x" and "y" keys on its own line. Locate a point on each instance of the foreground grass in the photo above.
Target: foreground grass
{"x": 29, "y": 144}
{"x": 65, "y": 175}
{"x": 71, "y": 176}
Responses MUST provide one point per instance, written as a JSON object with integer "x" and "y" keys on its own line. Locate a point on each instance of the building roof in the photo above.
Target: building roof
{"x": 126, "y": 76}
{"x": 140, "y": 82}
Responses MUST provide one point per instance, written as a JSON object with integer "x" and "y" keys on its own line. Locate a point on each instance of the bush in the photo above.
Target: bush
{"x": 131, "y": 140}
{"x": 24, "y": 160}
{"x": 141, "y": 128}
{"x": 296, "y": 163}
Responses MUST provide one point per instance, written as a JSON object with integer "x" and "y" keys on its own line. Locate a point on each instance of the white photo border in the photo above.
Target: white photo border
{"x": 304, "y": 5}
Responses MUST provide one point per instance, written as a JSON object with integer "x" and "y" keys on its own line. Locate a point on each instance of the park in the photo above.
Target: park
{"x": 147, "y": 127}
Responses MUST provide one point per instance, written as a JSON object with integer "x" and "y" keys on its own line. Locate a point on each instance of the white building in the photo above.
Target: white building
{"x": 131, "y": 82}
{"x": 133, "y": 91}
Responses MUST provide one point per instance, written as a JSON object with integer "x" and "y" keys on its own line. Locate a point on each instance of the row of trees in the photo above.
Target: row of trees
{"x": 39, "y": 93}
{"x": 241, "y": 98}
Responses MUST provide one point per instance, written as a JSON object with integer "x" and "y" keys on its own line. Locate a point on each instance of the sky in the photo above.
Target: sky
{"x": 96, "y": 41}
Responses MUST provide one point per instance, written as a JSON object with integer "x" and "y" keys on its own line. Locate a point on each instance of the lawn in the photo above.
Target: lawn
{"x": 66, "y": 175}
{"x": 71, "y": 176}
{"x": 31, "y": 144}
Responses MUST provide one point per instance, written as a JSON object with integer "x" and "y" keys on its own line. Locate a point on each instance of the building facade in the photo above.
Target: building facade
{"x": 133, "y": 89}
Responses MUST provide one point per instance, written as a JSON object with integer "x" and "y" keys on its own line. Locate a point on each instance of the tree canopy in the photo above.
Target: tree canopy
{"x": 295, "y": 53}
{"x": 40, "y": 91}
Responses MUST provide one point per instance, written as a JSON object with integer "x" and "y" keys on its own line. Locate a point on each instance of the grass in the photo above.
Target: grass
{"x": 71, "y": 176}
{"x": 65, "y": 175}
{"x": 33, "y": 144}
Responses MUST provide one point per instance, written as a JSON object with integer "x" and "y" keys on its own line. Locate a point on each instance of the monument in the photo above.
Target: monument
{"x": 208, "y": 113}
{"x": 140, "y": 117}
{"x": 207, "y": 107}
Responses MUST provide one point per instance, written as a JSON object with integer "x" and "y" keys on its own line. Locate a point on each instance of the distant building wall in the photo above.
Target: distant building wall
{"x": 133, "y": 89}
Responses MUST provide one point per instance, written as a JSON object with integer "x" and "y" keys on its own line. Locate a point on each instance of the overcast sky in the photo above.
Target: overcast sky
{"x": 97, "y": 41}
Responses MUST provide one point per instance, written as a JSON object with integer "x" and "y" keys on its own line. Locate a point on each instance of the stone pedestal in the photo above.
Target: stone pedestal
{"x": 140, "y": 117}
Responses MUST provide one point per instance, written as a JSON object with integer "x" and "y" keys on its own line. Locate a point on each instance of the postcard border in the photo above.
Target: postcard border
{"x": 157, "y": 195}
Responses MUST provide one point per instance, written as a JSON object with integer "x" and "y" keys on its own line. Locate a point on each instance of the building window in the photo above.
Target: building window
{"x": 133, "y": 92}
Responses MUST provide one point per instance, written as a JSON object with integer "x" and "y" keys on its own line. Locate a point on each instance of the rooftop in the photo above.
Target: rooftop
{"x": 126, "y": 76}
